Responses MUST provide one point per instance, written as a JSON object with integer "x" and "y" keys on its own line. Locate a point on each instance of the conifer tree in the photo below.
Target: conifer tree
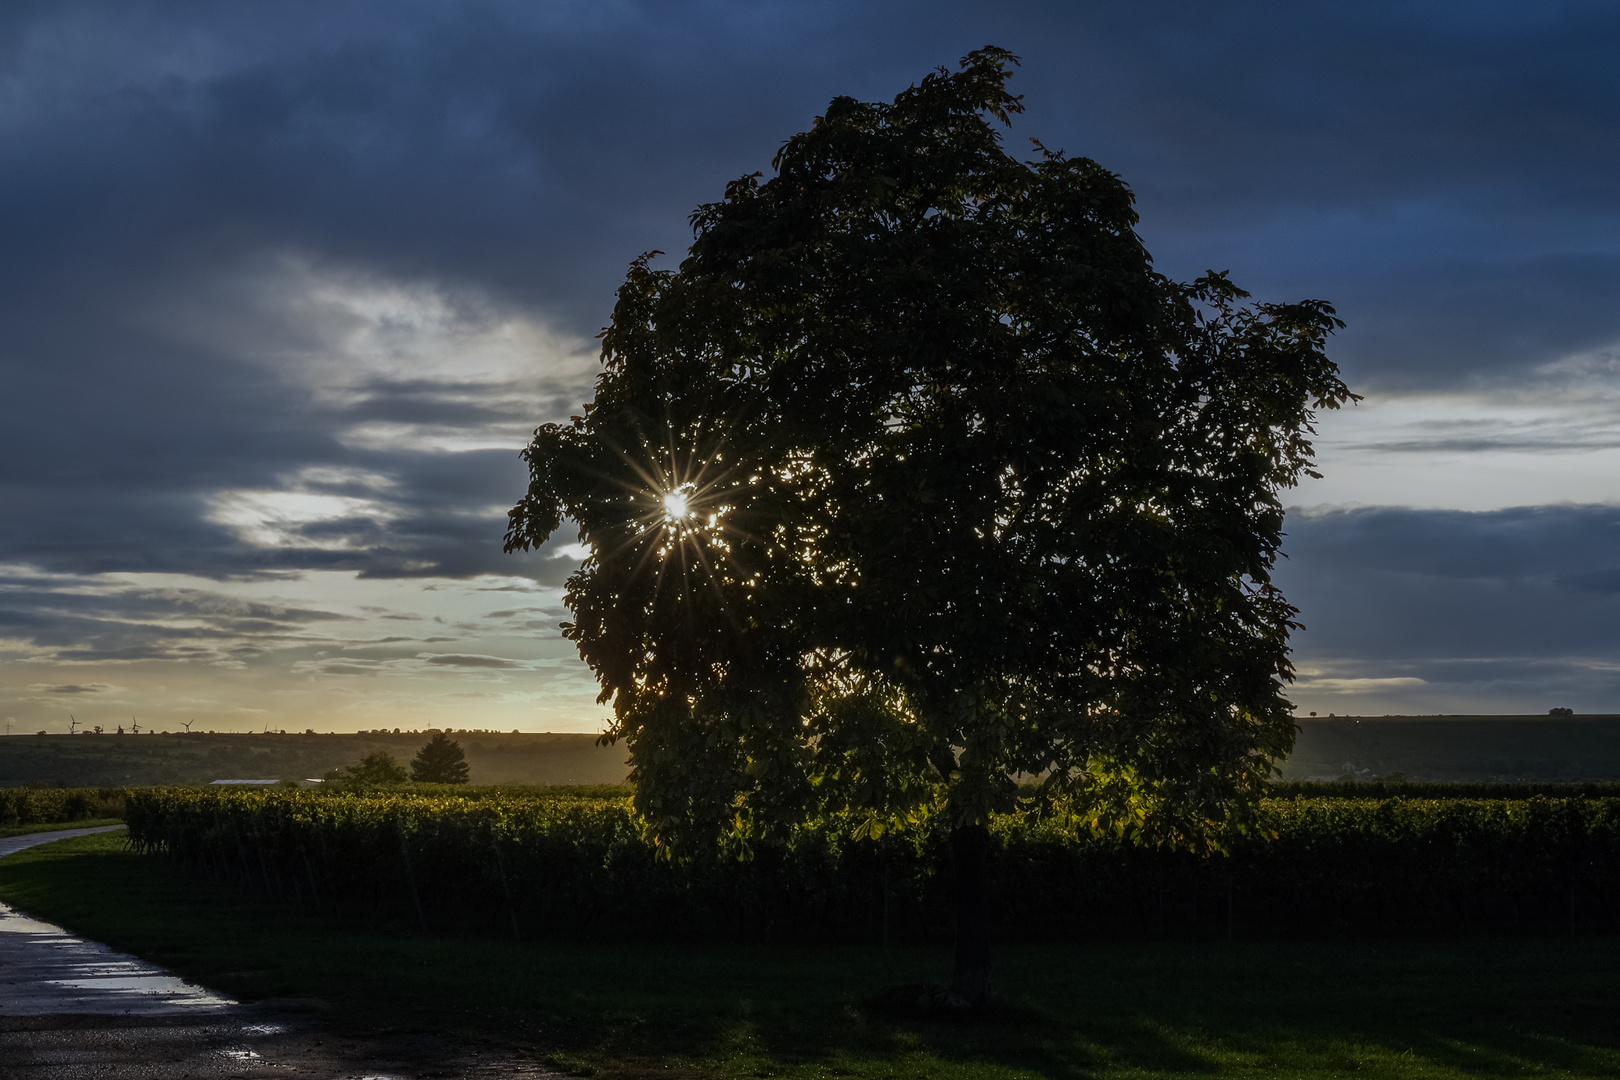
{"x": 440, "y": 761}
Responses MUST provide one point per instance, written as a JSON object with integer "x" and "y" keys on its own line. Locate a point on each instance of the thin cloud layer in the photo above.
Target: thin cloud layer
{"x": 1448, "y": 611}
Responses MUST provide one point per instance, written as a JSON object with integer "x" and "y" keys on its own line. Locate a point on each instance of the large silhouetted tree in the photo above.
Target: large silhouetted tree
{"x": 916, "y": 475}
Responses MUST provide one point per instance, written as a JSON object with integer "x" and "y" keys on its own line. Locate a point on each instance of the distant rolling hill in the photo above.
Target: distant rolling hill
{"x": 117, "y": 760}
{"x": 1458, "y": 748}
{"x": 1364, "y": 747}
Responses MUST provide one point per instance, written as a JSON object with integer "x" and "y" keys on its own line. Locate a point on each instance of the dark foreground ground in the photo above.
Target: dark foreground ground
{"x": 254, "y": 1045}
{"x": 597, "y": 1003}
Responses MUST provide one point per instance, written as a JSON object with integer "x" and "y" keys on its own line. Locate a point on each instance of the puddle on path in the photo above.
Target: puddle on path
{"x": 71, "y": 1009}
{"x": 46, "y": 970}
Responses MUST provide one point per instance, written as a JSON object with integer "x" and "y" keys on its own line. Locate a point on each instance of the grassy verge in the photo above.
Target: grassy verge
{"x": 1526, "y": 1007}
{"x": 56, "y": 826}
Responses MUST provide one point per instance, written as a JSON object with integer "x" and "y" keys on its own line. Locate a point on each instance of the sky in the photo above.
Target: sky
{"x": 284, "y": 288}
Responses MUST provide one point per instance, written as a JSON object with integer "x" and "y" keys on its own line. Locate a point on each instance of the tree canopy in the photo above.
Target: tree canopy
{"x": 915, "y": 475}
{"x": 440, "y": 761}
{"x": 374, "y": 770}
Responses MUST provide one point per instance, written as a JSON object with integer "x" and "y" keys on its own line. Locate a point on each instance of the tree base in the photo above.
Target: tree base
{"x": 970, "y": 975}
{"x": 946, "y": 1001}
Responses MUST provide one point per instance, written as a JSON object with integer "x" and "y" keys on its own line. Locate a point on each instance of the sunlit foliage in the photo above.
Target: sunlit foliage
{"x": 553, "y": 862}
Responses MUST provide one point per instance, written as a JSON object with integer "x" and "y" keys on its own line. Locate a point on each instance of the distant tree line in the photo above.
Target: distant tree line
{"x": 439, "y": 761}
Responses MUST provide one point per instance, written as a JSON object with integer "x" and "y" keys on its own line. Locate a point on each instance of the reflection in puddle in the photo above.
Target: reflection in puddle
{"x": 172, "y": 989}
{"x": 45, "y": 970}
{"x": 12, "y": 922}
{"x": 158, "y": 984}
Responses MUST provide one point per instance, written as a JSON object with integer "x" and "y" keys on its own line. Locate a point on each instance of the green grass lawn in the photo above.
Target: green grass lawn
{"x": 1475, "y": 1008}
{"x": 56, "y": 826}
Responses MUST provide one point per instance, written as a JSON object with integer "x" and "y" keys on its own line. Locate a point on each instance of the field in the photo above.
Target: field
{"x": 1515, "y": 979}
{"x": 601, "y": 1007}
{"x": 1457, "y": 748}
{"x": 141, "y": 760}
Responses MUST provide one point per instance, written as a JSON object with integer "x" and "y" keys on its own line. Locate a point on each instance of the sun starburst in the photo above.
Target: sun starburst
{"x": 675, "y": 506}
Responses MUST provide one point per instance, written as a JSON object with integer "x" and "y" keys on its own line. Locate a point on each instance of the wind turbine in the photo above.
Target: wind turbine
{"x": 193, "y": 720}
{"x": 72, "y": 724}
{"x": 134, "y": 727}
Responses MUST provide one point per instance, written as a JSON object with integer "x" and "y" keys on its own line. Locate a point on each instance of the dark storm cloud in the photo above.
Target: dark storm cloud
{"x": 1445, "y": 173}
{"x": 1432, "y": 324}
{"x": 529, "y": 148}
{"x": 1527, "y": 597}
{"x": 1272, "y": 105}
{"x": 1543, "y": 544}
{"x": 157, "y": 151}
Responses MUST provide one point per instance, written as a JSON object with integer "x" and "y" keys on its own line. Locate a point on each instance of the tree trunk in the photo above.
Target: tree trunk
{"x": 970, "y": 854}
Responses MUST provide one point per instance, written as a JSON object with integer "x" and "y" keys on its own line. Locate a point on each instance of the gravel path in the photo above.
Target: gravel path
{"x": 72, "y": 1009}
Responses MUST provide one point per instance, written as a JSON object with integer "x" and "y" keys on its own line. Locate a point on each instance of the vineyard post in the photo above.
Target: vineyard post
{"x": 314, "y": 890}
{"x": 410, "y": 875}
{"x": 1572, "y": 903}
{"x": 326, "y": 863}
{"x": 500, "y": 864}
{"x": 885, "y": 906}
{"x": 271, "y": 888}
{"x": 241, "y": 850}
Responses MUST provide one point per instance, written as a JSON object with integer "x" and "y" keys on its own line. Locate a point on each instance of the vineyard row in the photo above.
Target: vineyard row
{"x": 530, "y": 865}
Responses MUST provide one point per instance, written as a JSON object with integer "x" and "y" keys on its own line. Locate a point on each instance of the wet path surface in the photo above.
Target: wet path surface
{"x": 68, "y": 1047}
{"x": 45, "y": 970}
{"x": 72, "y": 1009}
